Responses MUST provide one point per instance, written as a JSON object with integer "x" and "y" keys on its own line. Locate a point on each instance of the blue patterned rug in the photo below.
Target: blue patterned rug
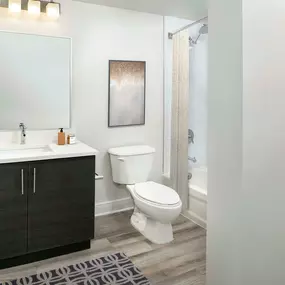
{"x": 113, "y": 269}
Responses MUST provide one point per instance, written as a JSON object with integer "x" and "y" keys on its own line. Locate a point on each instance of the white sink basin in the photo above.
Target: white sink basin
{"x": 22, "y": 150}
{"x": 13, "y": 153}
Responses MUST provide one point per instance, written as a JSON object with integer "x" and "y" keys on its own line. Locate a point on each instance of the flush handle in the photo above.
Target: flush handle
{"x": 121, "y": 159}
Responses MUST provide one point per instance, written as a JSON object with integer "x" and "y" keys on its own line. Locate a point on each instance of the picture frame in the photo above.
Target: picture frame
{"x": 126, "y": 93}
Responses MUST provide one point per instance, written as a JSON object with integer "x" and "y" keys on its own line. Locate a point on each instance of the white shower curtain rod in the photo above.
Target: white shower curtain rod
{"x": 170, "y": 35}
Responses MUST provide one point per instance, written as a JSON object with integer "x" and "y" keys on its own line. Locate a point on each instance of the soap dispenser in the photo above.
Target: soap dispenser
{"x": 61, "y": 137}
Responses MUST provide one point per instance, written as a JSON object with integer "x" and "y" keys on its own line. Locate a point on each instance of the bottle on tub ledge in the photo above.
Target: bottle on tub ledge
{"x": 61, "y": 137}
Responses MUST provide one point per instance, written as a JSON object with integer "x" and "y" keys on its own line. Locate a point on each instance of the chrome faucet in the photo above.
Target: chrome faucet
{"x": 23, "y": 133}
{"x": 191, "y": 136}
{"x": 193, "y": 159}
{"x": 189, "y": 176}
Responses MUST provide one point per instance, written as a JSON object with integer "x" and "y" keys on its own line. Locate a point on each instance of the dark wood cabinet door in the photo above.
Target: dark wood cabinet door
{"x": 61, "y": 202}
{"x": 13, "y": 209}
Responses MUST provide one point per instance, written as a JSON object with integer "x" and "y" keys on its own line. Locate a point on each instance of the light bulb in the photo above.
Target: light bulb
{"x": 53, "y": 10}
{"x": 15, "y": 6}
{"x": 34, "y": 7}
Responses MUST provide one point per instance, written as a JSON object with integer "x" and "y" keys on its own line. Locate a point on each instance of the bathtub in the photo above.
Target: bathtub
{"x": 198, "y": 196}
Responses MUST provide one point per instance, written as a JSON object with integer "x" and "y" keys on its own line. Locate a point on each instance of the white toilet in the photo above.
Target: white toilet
{"x": 156, "y": 205}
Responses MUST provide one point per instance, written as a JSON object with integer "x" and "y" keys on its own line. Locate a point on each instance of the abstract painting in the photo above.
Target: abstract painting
{"x": 126, "y": 93}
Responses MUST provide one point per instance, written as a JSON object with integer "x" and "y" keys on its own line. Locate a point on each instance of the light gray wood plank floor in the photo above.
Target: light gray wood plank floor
{"x": 182, "y": 262}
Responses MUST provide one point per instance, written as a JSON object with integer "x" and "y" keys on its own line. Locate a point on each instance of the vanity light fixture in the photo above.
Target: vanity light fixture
{"x": 53, "y": 10}
{"x": 34, "y": 7}
{"x": 15, "y": 6}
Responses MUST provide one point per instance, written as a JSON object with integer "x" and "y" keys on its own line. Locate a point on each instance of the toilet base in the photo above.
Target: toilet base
{"x": 154, "y": 231}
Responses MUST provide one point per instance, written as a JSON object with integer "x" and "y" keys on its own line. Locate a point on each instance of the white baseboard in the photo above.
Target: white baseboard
{"x": 195, "y": 218}
{"x": 115, "y": 206}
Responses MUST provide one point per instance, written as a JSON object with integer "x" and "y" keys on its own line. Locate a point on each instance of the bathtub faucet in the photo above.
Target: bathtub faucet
{"x": 191, "y": 136}
{"x": 193, "y": 159}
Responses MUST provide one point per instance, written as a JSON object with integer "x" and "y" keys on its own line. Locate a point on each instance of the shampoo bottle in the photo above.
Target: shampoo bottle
{"x": 61, "y": 137}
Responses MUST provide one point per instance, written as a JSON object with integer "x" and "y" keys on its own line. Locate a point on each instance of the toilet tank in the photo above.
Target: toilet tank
{"x": 131, "y": 164}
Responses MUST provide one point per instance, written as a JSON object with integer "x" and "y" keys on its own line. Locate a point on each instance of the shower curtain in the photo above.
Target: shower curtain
{"x": 179, "y": 120}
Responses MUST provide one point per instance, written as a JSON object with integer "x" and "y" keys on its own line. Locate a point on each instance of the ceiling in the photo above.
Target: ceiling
{"x": 188, "y": 9}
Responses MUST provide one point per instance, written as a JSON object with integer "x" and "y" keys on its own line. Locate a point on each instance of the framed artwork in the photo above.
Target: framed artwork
{"x": 127, "y": 80}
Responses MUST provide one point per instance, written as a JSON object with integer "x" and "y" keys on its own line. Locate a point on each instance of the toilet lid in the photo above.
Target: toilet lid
{"x": 157, "y": 193}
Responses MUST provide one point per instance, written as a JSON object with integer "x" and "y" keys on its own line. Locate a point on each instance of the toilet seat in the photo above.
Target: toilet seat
{"x": 157, "y": 194}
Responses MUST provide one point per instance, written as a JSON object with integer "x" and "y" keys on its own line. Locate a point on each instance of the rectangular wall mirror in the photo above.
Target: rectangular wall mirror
{"x": 35, "y": 81}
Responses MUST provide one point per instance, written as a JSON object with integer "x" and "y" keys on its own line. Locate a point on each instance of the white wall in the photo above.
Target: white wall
{"x": 263, "y": 142}
{"x": 224, "y": 142}
{"x": 101, "y": 33}
{"x": 246, "y": 212}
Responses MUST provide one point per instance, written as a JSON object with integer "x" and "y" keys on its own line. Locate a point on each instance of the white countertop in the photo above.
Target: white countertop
{"x": 21, "y": 153}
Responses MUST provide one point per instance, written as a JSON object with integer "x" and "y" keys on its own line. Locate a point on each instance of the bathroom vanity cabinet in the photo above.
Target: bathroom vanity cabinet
{"x": 46, "y": 208}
